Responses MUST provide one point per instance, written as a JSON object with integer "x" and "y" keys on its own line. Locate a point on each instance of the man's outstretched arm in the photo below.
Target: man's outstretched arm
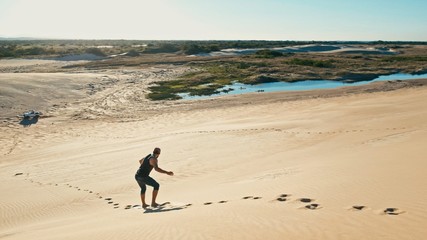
{"x": 154, "y": 163}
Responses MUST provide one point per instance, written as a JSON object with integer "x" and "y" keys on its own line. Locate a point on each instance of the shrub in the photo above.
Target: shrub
{"x": 312, "y": 63}
{"x": 193, "y": 48}
{"x": 163, "y": 96}
{"x": 163, "y": 47}
{"x": 6, "y": 52}
{"x": 263, "y": 79}
{"x": 405, "y": 58}
{"x": 95, "y": 51}
{"x": 266, "y": 53}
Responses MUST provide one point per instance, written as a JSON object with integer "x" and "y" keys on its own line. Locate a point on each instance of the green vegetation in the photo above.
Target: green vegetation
{"x": 209, "y": 80}
{"x": 43, "y": 48}
{"x": 266, "y": 53}
{"x": 161, "y": 47}
{"x": 14, "y": 51}
{"x": 190, "y": 48}
{"x": 312, "y": 63}
{"x": 195, "y": 87}
{"x": 405, "y": 58}
{"x": 24, "y": 48}
{"x": 95, "y": 51}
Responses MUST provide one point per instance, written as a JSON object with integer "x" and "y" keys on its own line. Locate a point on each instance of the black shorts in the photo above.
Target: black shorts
{"x": 142, "y": 181}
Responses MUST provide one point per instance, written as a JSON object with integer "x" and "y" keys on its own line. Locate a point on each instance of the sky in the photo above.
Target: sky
{"x": 305, "y": 20}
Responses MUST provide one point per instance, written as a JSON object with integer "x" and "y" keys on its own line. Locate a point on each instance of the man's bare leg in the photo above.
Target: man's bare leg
{"x": 144, "y": 205}
{"x": 153, "y": 201}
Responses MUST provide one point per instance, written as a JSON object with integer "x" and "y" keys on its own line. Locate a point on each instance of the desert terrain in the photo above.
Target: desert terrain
{"x": 346, "y": 163}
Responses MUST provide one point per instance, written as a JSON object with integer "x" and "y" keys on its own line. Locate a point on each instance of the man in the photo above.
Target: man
{"x": 143, "y": 178}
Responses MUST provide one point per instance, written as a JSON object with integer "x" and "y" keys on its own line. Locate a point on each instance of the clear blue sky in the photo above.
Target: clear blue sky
{"x": 390, "y": 20}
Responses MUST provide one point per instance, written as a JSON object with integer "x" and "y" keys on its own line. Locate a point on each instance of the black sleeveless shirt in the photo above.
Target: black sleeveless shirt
{"x": 145, "y": 168}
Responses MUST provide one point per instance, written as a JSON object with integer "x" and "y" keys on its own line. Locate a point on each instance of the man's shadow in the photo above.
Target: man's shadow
{"x": 26, "y": 122}
{"x": 159, "y": 210}
{"x": 166, "y": 208}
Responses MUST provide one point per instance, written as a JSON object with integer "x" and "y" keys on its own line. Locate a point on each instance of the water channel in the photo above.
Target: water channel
{"x": 240, "y": 88}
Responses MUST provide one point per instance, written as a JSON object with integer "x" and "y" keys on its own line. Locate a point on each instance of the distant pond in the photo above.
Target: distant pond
{"x": 240, "y": 88}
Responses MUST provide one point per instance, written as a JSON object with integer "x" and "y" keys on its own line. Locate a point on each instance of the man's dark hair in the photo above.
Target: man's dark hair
{"x": 156, "y": 150}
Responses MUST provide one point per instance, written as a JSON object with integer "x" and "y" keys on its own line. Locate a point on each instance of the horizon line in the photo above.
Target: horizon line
{"x": 201, "y": 40}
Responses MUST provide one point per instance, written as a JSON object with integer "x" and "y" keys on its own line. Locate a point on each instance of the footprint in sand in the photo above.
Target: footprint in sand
{"x": 167, "y": 206}
{"x": 358, "y": 207}
{"x": 222, "y": 201}
{"x": 312, "y": 206}
{"x": 283, "y": 198}
{"x": 207, "y": 203}
{"x": 132, "y": 206}
{"x": 251, "y": 197}
{"x": 392, "y": 211}
{"x": 305, "y": 200}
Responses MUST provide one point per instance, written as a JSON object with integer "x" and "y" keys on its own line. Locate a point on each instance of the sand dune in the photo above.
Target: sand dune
{"x": 332, "y": 164}
{"x": 311, "y": 48}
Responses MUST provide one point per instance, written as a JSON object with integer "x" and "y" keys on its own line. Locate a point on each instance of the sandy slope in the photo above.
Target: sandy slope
{"x": 346, "y": 166}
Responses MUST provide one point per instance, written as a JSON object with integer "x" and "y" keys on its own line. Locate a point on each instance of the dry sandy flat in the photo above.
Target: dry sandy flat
{"x": 335, "y": 164}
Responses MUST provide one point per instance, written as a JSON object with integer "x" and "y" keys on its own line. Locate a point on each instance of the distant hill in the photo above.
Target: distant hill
{"x": 19, "y": 38}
